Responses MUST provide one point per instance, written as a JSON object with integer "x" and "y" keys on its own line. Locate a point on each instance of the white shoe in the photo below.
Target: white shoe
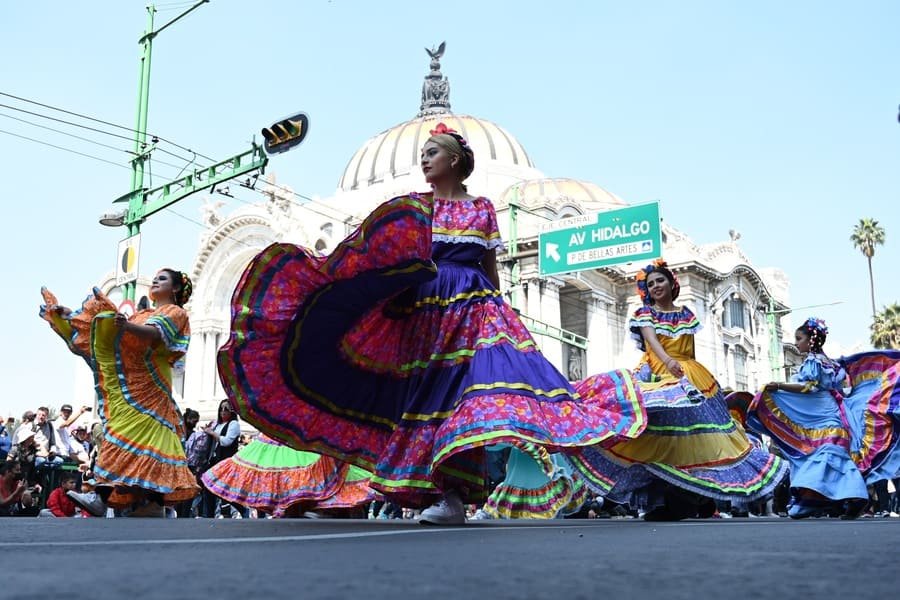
{"x": 481, "y": 515}
{"x": 90, "y": 502}
{"x": 448, "y": 510}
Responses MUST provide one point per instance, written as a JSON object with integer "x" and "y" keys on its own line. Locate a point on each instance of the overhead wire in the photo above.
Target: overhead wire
{"x": 171, "y": 6}
{"x": 188, "y": 161}
{"x": 63, "y": 148}
{"x": 306, "y": 203}
{"x": 29, "y": 112}
{"x": 78, "y": 137}
{"x": 96, "y": 120}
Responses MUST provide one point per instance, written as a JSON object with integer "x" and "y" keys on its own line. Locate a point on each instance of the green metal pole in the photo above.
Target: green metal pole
{"x": 134, "y": 215}
{"x": 514, "y": 248}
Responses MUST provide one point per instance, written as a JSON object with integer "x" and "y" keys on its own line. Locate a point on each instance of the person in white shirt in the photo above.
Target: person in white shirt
{"x": 69, "y": 448}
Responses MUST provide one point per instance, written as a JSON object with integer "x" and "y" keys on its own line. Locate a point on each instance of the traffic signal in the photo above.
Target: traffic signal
{"x": 286, "y": 133}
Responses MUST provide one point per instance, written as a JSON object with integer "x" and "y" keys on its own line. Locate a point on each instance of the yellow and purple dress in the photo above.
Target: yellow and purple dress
{"x": 142, "y": 426}
{"x": 691, "y": 440}
{"x": 269, "y": 476}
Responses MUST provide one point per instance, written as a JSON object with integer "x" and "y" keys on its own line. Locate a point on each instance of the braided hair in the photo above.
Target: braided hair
{"x": 817, "y": 331}
{"x": 182, "y": 286}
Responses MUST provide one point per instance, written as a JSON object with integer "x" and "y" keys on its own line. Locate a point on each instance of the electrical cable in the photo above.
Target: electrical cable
{"x": 63, "y": 148}
{"x": 89, "y": 118}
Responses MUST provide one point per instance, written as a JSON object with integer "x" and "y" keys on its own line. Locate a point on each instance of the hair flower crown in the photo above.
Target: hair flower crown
{"x": 641, "y": 279}
{"x": 816, "y": 324}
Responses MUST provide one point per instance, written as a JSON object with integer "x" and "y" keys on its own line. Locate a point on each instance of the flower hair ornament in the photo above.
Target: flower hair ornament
{"x": 641, "y": 279}
{"x": 818, "y": 331}
{"x": 442, "y": 129}
{"x": 467, "y": 155}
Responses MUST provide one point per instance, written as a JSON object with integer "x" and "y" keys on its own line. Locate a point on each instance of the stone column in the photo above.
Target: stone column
{"x": 599, "y": 333}
{"x": 550, "y": 314}
{"x": 729, "y": 362}
{"x": 193, "y": 374}
{"x": 207, "y": 389}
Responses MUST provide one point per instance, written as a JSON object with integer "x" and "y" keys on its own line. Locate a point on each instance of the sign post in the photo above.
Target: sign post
{"x": 128, "y": 258}
{"x": 602, "y": 239}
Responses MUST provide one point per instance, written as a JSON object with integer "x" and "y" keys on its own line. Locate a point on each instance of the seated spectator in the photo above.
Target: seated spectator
{"x": 47, "y": 451}
{"x": 59, "y": 504}
{"x": 24, "y": 449}
{"x": 16, "y": 498}
{"x": 25, "y": 427}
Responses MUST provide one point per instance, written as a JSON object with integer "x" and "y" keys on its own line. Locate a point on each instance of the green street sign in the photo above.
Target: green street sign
{"x": 599, "y": 240}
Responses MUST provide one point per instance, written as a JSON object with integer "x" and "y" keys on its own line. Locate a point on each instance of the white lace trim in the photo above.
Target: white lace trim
{"x": 468, "y": 239}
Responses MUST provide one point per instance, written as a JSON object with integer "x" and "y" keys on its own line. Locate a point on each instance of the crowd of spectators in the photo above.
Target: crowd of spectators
{"x": 43, "y": 458}
{"x": 40, "y": 455}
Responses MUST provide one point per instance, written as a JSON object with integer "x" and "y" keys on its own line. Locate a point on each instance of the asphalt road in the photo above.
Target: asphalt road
{"x": 300, "y": 559}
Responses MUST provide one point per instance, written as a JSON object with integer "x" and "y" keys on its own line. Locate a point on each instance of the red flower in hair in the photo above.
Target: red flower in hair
{"x": 441, "y": 128}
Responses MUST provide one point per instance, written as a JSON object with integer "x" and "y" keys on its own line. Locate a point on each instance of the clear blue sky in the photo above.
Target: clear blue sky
{"x": 778, "y": 119}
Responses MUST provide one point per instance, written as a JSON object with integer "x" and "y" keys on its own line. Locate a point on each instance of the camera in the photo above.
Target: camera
{"x": 88, "y": 408}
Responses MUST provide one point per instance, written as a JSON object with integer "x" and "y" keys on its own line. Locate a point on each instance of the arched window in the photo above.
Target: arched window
{"x": 734, "y": 314}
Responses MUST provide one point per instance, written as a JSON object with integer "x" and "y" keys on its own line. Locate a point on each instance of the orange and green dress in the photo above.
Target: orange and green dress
{"x": 691, "y": 440}
{"x": 142, "y": 426}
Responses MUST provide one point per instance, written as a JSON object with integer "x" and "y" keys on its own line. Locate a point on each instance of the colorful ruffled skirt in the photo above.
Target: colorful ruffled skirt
{"x": 872, "y": 410}
{"x": 837, "y": 445}
{"x": 400, "y": 357}
{"x": 142, "y": 426}
{"x": 690, "y": 442}
{"x": 269, "y": 476}
{"x": 538, "y": 485}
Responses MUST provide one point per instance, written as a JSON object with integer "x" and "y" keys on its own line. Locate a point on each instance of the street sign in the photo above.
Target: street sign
{"x": 127, "y": 259}
{"x": 602, "y": 239}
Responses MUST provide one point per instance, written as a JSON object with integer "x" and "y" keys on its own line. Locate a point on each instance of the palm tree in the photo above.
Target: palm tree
{"x": 866, "y": 235}
{"x": 886, "y": 328}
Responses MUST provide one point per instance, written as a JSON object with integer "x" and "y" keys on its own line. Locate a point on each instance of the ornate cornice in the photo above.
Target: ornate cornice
{"x": 220, "y": 235}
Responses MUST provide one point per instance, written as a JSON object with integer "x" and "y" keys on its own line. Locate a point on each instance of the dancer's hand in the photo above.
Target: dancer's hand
{"x": 121, "y": 320}
{"x": 674, "y": 367}
{"x": 772, "y": 386}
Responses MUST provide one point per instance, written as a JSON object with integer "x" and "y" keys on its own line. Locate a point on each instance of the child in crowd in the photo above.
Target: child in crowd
{"x": 59, "y": 504}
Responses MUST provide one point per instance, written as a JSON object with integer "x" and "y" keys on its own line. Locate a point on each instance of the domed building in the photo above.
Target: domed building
{"x": 579, "y": 319}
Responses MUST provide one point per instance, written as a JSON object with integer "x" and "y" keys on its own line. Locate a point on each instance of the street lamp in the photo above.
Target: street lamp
{"x": 115, "y": 219}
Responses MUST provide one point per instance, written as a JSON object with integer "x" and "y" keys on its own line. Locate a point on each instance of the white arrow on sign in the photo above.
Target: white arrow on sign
{"x": 553, "y": 252}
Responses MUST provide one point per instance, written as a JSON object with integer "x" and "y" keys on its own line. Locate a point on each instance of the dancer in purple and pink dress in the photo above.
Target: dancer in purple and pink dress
{"x": 397, "y": 353}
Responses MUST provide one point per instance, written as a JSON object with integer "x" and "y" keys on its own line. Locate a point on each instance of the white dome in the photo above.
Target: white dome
{"x": 395, "y": 152}
{"x": 560, "y": 192}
